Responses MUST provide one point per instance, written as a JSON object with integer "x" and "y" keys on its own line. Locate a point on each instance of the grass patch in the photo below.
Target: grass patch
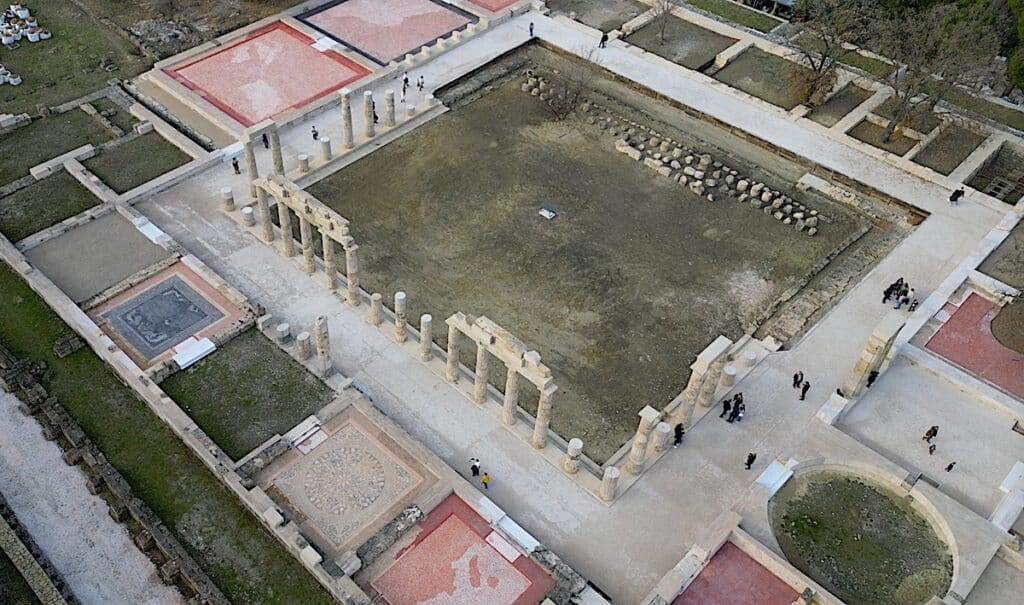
{"x": 67, "y": 65}
{"x": 863, "y": 545}
{"x": 42, "y": 205}
{"x": 45, "y": 139}
{"x": 830, "y": 112}
{"x": 14, "y": 590}
{"x": 121, "y": 118}
{"x": 921, "y": 120}
{"x": 138, "y": 161}
{"x": 875, "y": 67}
{"x": 245, "y": 562}
{"x": 738, "y": 14}
{"x": 1014, "y": 118}
{"x": 246, "y": 392}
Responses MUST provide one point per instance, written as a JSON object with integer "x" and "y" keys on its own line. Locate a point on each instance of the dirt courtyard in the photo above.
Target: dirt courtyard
{"x": 618, "y": 294}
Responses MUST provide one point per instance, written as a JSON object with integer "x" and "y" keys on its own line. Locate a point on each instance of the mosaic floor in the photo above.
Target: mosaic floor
{"x": 966, "y": 339}
{"x": 459, "y": 560}
{"x": 386, "y": 29}
{"x": 732, "y": 577}
{"x": 151, "y": 318}
{"x": 255, "y": 78}
{"x": 494, "y": 5}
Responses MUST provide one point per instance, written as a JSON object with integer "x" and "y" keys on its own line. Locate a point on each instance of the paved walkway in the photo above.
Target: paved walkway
{"x": 627, "y": 548}
{"x": 93, "y": 553}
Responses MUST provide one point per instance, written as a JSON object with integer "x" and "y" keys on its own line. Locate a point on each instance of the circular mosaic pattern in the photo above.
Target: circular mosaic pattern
{"x": 344, "y": 479}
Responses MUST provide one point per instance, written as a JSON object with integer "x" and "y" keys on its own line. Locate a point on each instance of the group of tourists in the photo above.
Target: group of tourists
{"x": 733, "y": 410}
{"x": 903, "y": 295}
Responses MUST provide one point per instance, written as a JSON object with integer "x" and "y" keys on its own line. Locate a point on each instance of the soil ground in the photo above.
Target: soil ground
{"x": 830, "y": 112}
{"x": 736, "y": 13}
{"x": 604, "y": 15}
{"x": 13, "y": 588}
{"x": 45, "y": 139}
{"x": 871, "y": 133}
{"x": 1007, "y": 164}
{"x": 922, "y": 120}
{"x": 634, "y": 278}
{"x": 862, "y": 544}
{"x": 879, "y": 69}
{"x": 245, "y": 562}
{"x": 685, "y": 43}
{"x": 1006, "y": 263}
{"x": 247, "y": 391}
{"x": 42, "y": 205}
{"x": 762, "y": 75}
{"x": 1008, "y": 326}
{"x": 951, "y": 147}
{"x": 67, "y": 65}
{"x": 135, "y": 162}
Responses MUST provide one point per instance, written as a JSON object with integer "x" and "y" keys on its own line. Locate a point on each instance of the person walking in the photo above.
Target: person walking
{"x": 949, "y": 467}
{"x": 733, "y": 414}
{"x": 420, "y": 84}
{"x": 234, "y": 164}
{"x": 750, "y": 459}
{"x": 798, "y": 379}
{"x": 726, "y": 406}
{"x": 531, "y": 29}
{"x": 680, "y": 431}
{"x": 930, "y": 434}
{"x": 604, "y": 41}
{"x": 266, "y": 141}
{"x": 316, "y": 134}
{"x": 804, "y": 389}
{"x": 931, "y": 449}
{"x": 741, "y": 411}
{"x": 474, "y": 466}
{"x": 954, "y": 198}
{"x": 486, "y": 479}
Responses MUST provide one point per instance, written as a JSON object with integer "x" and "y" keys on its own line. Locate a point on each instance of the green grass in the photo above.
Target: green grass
{"x": 243, "y": 560}
{"x": 45, "y": 139}
{"x": 136, "y": 162}
{"x": 121, "y": 118}
{"x": 67, "y": 65}
{"x": 875, "y": 67}
{"x": 43, "y": 204}
{"x": 14, "y": 590}
{"x": 1014, "y": 118}
{"x": 246, "y": 392}
{"x": 738, "y": 14}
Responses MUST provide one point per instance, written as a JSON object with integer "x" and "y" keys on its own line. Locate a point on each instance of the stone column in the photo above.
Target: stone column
{"x": 227, "y": 199}
{"x": 323, "y": 346}
{"x": 389, "y": 108}
{"x": 247, "y": 217}
{"x": 707, "y": 392}
{"x": 728, "y": 376}
{"x": 275, "y": 151}
{"x": 648, "y": 418}
{"x": 347, "y": 138}
{"x": 370, "y": 132}
{"x": 400, "y": 333}
{"x": 662, "y": 431}
{"x": 609, "y": 483}
{"x": 426, "y": 344}
{"x": 352, "y": 273}
{"x": 263, "y": 207}
{"x": 330, "y": 265}
{"x": 325, "y": 149}
{"x": 483, "y": 362}
{"x": 303, "y": 346}
{"x": 637, "y": 455}
{"x": 451, "y": 369}
{"x": 284, "y": 216}
{"x": 693, "y": 387}
{"x": 571, "y": 460}
{"x": 540, "y": 426}
{"x": 306, "y": 233}
{"x": 303, "y": 163}
{"x": 252, "y": 171}
{"x": 511, "y": 401}
{"x": 376, "y": 308}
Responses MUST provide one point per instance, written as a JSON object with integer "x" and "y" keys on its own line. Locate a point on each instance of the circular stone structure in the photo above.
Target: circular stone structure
{"x": 859, "y": 541}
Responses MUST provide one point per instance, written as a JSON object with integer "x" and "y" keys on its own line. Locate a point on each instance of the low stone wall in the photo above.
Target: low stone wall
{"x": 175, "y": 565}
{"x": 30, "y": 562}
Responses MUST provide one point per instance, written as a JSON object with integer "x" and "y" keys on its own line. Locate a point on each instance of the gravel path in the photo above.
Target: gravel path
{"x": 93, "y": 553}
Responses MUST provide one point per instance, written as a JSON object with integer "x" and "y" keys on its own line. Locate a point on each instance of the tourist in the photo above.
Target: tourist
{"x": 531, "y": 29}
{"x": 234, "y": 164}
{"x": 474, "y": 466}
{"x": 872, "y": 377}
{"x": 604, "y": 41}
{"x": 931, "y": 449}
{"x": 750, "y": 459}
{"x": 949, "y": 467}
{"x": 804, "y": 389}
{"x": 266, "y": 141}
{"x": 931, "y": 434}
{"x": 316, "y": 134}
{"x": 420, "y": 84}
{"x": 680, "y": 431}
{"x": 485, "y": 480}
{"x": 373, "y": 108}
{"x": 726, "y": 406}
{"x": 798, "y": 379}
{"x": 888, "y": 293}
{"x": 913, "y": 305}
{"x": 733, "y": 414}
{"x": 954, "y": 198}
{"x": 737, "y": 398}
{"x": 741, "y": 411}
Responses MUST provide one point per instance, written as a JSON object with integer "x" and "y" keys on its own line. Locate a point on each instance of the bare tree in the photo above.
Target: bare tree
{"x": 936, "y": 51}
{"x": 570, "y": 85}
{"x": 662, "y": 11}
{"x": 829, "y": 30}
